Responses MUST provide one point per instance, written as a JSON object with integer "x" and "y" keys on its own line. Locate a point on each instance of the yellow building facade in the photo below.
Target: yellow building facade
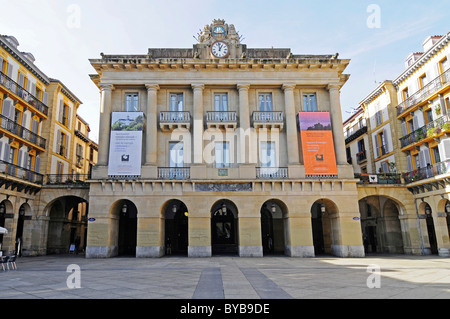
{"x": 221, "y": 162}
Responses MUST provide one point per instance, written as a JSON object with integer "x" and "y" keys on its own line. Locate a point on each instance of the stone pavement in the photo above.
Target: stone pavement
{"x": 392, "y": 277}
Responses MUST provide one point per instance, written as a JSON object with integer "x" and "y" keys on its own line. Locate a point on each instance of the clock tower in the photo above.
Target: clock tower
{"x": 219, "y": 41}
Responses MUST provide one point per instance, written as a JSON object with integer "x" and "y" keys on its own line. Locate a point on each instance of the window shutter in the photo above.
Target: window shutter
{"x": 69, "y": 118}
{"x": 58, "y": 141}
{"x": 446, "y": 144}
{"x": 61, "y": 111}
{"x": 21, "y": 79}
{"x": 427, "y": 157}
{"x": 1, "y": 64}
{"x": 19, "y": 158}
{"x": 1, "y": 147}
{"x": 6, "y": 108}
{"x": 45, "y": 98}
{"x": 409, "y": 163}
{"x": 6, "y": 153}
{"x": 34, "y": 126}
{"x": 10, "y": 70}
{"x": 24, "y": 120}
{"x": 377, "y": 149}
{"x": 404, "y": 129}
{"x": 33, "y": 89}
{"x": 37, "y": 164}
{"x": 66, "y": 146}
{"x": 422, "y": 163}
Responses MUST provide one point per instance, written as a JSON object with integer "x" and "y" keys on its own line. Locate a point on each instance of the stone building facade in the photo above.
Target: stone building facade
{"x": 222, "y": 167}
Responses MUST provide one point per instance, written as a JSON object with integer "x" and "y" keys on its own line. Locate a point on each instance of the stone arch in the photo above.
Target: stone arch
{"x": 66, "y": 223}
{"x": 325, "y": 226}
{"x": 274, "y": 226}
{"x": 224, "y": 227}
{"x": 429, "y": 239}
{"x": 174, "y": 213}
{"x": 123, "y": 214}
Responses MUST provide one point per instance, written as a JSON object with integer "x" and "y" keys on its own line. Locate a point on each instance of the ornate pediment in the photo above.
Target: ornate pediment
{"x": 218, "y": 30}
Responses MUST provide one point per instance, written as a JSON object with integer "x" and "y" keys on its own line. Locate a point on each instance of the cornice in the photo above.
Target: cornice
{"x": 423, "y": 59}
{"x": 24, "y": 62}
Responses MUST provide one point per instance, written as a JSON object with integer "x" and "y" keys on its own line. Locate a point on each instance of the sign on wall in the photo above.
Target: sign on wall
{"x": 125, "y": 149}
{"x": 317, "y": 143}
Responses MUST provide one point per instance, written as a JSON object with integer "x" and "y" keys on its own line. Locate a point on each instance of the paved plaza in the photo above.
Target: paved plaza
{"x": 373, "y": 277}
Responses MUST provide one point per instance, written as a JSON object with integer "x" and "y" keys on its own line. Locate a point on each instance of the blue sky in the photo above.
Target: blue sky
{"x": 64, "y": 34}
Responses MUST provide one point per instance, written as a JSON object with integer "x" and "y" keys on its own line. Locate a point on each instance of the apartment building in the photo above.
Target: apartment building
{"x": 37, "y": 157}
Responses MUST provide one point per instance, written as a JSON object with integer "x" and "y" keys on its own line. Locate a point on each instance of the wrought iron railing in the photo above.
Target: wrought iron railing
{"x": 18, "y": 90}
{"x": 384, "y": 178}
{"x": 66, "y": 179}
{"x": 425, "y": 131}
{"x": 427, "y": 172}
{"x": 272, "y": 172}
{"x": 22, "y": 132}
{"x": 174, "y": 172}
{"x": 430, "y": 88}
{"x": 20, "y": 172}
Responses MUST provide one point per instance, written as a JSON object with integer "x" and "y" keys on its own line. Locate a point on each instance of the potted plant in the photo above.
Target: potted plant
{"x": 438, "y": 109}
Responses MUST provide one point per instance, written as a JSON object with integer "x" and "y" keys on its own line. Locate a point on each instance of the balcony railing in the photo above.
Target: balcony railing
{"x": 427, "y": 172}
{"x": 18, "y": 90}
{"x": 271, "y": 172}
{"x": 421, "y": 95}
{"x": 174, "y": 117}
{"x": 174, "y": 172}
{"x": 20, "y": 172}
{"x": 428, "y": 130}
{"x": 354, "y": 135}
{"x": 22, "y": 132}
{"x": 385, "y": 178}
{"x": 268, "y": 116}
{"x": 221, "y": 116}
{"x": 67, "y": 179}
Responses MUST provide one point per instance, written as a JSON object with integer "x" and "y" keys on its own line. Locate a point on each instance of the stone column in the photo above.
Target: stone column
{"x": 336, "y": 122}
{"x": 198, "y": 122}
{"x": 291, "y": 124}
{"x": 105, "y": 124}
{"x": 151, "y": 147}
{"x": 244, "y": 123}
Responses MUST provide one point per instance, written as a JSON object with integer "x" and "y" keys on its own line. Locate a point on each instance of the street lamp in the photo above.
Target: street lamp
{"x": 322, "y": 208}
{"x": 447, "y": 207}
{"x": 274, "y": 209}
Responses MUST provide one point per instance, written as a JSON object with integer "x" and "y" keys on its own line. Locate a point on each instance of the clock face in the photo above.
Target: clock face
{"x": 219, "y": 49}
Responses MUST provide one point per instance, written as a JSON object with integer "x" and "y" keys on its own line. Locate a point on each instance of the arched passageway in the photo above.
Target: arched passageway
{"x": 67, "y": 225}
{"x": 273, "y": 227}
{"x": 127, "y": 235}
{"x": 321, "y": 214}
{"x": 175, "y": 228}
{"x": 380, "y": 225}
{"x": 224, "y": 228}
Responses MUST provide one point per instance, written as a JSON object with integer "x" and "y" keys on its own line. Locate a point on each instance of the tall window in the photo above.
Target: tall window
{"x": 265, "y": 102}
{"x": 268, "y": 154}
{"x": 310, "y": 102}
{"x": 176, "y": 102}
{"x": 131, "y": 102}
{"x": 221, "y": 102}
{"x": 176, "y": 154}
{"x": 222, "y": 154}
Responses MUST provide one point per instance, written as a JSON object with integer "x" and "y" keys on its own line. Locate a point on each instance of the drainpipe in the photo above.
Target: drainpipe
{"x": 420, "y": 229}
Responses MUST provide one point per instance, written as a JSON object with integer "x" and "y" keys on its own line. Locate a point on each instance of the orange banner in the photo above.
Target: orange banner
{"x": 317, "y": 144}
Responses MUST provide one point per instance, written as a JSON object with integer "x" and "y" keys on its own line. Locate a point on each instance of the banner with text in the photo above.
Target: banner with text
{"x": 317, "y": 144}
{"x": 125, "y": 148}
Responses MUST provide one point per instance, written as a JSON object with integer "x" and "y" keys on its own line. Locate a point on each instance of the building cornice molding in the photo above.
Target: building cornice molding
{"x": 423, "y": 59}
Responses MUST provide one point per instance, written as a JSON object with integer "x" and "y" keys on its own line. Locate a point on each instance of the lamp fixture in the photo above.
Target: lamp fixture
{"x": 224, "y": 208}
{"x": 124, "y": 209}
{"x": 447, "y": 207}
{"x": 274, "y": 208}
{"x": 323, "y": 208}
{"x": 427, "y": 210}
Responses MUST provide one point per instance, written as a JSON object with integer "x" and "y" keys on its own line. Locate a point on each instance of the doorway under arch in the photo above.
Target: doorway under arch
{"x": 322, "y": 213}
{"x": 67, "y": 224}
{"x": 224, "y": 228}
{"x": 127, "y": 212}
{"x": 273, "y": 227}
{"x": 380, "y": 225}
{"x": 430, "y": 229}
{"x": 176, "y": 228}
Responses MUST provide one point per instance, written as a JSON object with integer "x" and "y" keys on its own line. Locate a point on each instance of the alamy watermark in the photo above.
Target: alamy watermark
{"x": 74, "y": 279}
{"x": 374, "y": 279}
{"x": 374, "y": 19}
{"x": 74, "y": 16}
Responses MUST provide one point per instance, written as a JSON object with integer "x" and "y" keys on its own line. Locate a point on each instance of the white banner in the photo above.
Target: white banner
{"x": 125, "y": 147}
